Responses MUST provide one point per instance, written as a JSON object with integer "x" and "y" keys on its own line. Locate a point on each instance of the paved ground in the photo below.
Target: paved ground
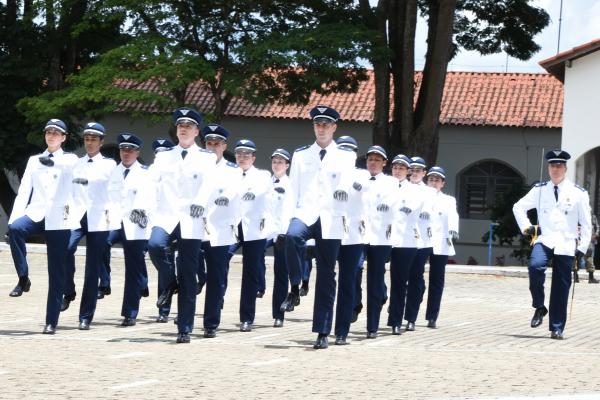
{"x": 483, "y": 349}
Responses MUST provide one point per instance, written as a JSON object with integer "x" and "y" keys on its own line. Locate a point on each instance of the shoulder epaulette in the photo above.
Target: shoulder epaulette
{"x": 580, "y": 188}
{"x": 68, "y": 152}
{"x": 205, "y": 151}
{"x": 231, "y": 164}
{"x": 107, "y": 158}
{"x": 144, "y": 166}
{"x": 302, "y": 148}
{"x": 540, "y": 184}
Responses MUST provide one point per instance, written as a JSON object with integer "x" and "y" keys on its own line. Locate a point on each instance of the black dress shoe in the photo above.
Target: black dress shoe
{"x": 246, "y": 326}
{"x": 103, "y": 291}
{"x": 355, "y": 313}
{"x": 162, "y": 319}
{"x": 183, "y": 337}
{"x": 210, "y": 333}
{"x": 304, "y": 288}
{"x": 431, "y": 324}
{"x": 84, "y": 325}
{"x": 396, "y": 330}
{"x": 340, "y": 340}
{"x": 410, "y": 326}
{"x": 290, "y": 302}
{"x": 538, "y": 316}
{"x": 278, "y": 323}
{"x": 322, "y": 342}
{"x": 165, "y": 297}
{"x": 260, "y": 294}
{"x": 128, "y": 322}
{"x": 558, "y": 335}
{"x": 371, "y": 335}
{"x": 66, "y": 301}
{"x": 49, "y": 330}
{"x": 23, "y": 285}
{"x": 145, "y": 292}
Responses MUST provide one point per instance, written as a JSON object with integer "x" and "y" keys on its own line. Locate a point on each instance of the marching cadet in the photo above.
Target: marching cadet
{"x": 179, "y": 187}
{"x": 97, "y": 219}
{"x": 42, "y": 205}
{"x": 221, "y": 222}
{"x": 255, "y": 186}
{"x": 320, "y": 178}
{"x": 406, "y": 235}
{"x": 279, "y": 218}
{"x": 126, "y": 181}
{"x": 352, "y": 246}
{"x": 444, "y": 229}
{"x": 560, "y": 205}
{"x": 380, "y": 209}
{"x": 416, "y": 281}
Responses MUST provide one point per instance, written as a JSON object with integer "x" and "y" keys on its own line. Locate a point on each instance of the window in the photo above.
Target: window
{"x": 482, "y": 184}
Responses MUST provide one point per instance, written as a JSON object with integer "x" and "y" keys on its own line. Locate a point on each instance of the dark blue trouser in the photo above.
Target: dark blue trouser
{"x": 217, "y": 261}
{"x": 56, "y": 247}
{"x": 401, "y": 262}
{"x": 561, "y": 282}
{"x": 376, "y": 259}
{"x": 201, "y": 268}
{"x": 164, "y": 262}
{"x": 252, "y": 253}
{"x": 437, "y": 273}
{"x": 76, "y": 236}
{"x": 307, "y": 264}
{"x": 114, "y": 237}
{"x": 94, "y": 249}
{"x": 280, "y": 280}
{"x": 416, "y": 284}
{"x": 188, "y": 250}
{"x": 135, "y": 281}
{"x": 326, "y": 251}
{"x": 348, "y": 260}
{"x": 18, "y": 232}
{"x": 358, "y": 305}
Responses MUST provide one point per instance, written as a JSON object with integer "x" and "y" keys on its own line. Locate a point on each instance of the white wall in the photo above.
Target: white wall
{"x": 581, "y": 130}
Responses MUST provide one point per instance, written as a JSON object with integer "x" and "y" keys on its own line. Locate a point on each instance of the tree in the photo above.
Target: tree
{"x": 265, "y": 51}
{"x": 487, "y": 26}
{"x": 40, "y": 44}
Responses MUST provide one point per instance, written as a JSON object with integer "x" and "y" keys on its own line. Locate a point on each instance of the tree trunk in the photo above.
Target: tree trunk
{"x": 376, "y": 21}
{"x": 7, "y": 196}
{"x": 424, "y": 139}
{"x": 402, "y": 26}
{"x": 55, "y": 80}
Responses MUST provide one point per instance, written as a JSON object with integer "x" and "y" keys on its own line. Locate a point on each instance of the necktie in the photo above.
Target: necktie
{"x": 322, "y": 153}
{"x": 372, "y": 178}
{"x": 183, "y": 154}
{"x": 243, "y": 174}
{"x": 277, "y": 180}
{"x": 90, "y": 160}
{"x": 556, "y": 193}
{"x": 125, "y": 173}
{"x": 50, "y": 155}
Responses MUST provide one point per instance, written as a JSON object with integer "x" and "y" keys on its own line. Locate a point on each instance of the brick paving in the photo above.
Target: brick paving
{"x": 483, "y": 349}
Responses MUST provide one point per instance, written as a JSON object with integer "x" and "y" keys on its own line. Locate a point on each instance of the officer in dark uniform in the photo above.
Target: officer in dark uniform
{"x": 561, "y": 206}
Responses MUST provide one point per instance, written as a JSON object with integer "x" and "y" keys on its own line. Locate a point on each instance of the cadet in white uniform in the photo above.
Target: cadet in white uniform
{"x": 380, "y": 208}
{"x": 180, "y": 186}
{"x": 97, "y": 219}
{"x": 561, "y": 206}
{"x": 42, "y": 205}
{"x": 416, "y": 281}
{"x": 444, "y": 229}
{"x": 320, "y": 181}
{"x": 255, "y": 187}
{"x": 126, "y": 182}
{"x": 352, "y": 247}
{"x": 406, "y": 236}
{"x": 279, "y": 221}
{"x": 221, "y": 221}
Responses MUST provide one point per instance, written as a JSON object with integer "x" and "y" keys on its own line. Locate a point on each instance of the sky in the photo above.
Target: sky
{"x": 580, "y": 24}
